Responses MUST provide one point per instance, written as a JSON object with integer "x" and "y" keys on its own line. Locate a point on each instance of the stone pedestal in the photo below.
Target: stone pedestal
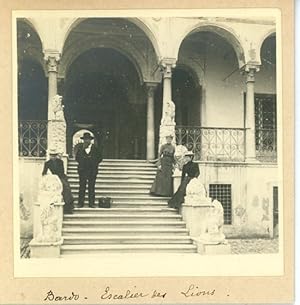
{"x": 195, "y": 216}
{"x": 207, "y": 248}
{"x": 45, "y": 250}
{"x": 48, "y": 218}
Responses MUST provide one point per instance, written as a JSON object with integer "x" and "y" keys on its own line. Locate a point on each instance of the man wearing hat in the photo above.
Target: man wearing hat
{"x": 88, "y": 157}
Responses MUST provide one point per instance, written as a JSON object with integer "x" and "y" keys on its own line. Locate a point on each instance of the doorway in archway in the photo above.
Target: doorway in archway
{"x": 103, "y": 94}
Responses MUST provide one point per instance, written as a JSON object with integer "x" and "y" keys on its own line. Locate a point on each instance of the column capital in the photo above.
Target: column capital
{"x": 250, "y": 69}
{"x": 151, "y": 86}
{"x": 52, "y": 59}
{"x": 167, "y": 64}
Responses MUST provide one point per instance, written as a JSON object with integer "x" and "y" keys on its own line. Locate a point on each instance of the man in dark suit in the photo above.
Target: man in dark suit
{"x": 88, "y": 157}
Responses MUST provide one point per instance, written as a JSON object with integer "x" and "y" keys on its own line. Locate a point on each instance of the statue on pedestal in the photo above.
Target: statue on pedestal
{"x": 168, "y": 117}
{"x": 50, "y": 199}
{"x": 57, "y": 125}
{"x": 213, "y": 228}
{"x": 196, "y": 193}
{"x": 179, "y": 157}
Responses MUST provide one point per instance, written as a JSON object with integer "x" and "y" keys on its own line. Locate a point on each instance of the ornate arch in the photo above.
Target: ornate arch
{"x": 36, "y": 51}
{"x": 270, "y": 33}
{"x": 228, "y": 34}
{"x": 129, "y": 51}
{"x": 137, "y": 21}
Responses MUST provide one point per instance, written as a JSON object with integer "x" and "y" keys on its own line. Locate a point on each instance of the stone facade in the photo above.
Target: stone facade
{"x": 225, "y": 71}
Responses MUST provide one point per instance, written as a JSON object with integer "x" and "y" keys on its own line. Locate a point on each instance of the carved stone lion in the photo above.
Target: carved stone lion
{"x": 196, "y": 193}
{"x": 50, "y": 193}
{"x": 213, "y": 224}
{"x": 169, "y": 114}
{"x": 179, "y": 156}
{"x": 57, "y": 108}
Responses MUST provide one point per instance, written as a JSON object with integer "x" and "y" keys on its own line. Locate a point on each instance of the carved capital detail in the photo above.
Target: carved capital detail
{"x": 151, "y": 89}
{"x": 167, "y": 64}
{"x": 52, "y": 59}
{"x": 250, "y": 70}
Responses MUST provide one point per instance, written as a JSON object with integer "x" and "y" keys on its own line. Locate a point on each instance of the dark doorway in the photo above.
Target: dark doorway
{"x": 103, "y": 93}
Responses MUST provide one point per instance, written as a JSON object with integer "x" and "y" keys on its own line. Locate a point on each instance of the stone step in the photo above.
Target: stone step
{"x": 118, "y": 168}
{"x": 115, "y": 180}
{"x": 120, "y": 240}
{"x": 129, "y": 205}
{"x": 120, "y": 211}
{"x": 113, "y": 177}
{"x": 98, "y": 249}
{"x": 123, "y": 161}
{"x": 121, "y": 217}
{"x": 115, "y": 186}
{"x": 123, "y": 231}
{"x": 123, "y": 223}
{"x": 118, "y": 165}
{"x": 116, "y": 192}
{"x": 118, "y": 174}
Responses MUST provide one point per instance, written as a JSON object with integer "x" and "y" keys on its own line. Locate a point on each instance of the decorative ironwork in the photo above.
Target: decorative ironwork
{"x": 266, "y": 127}
{"x": 32, "y": 138}
{"x": 266, "y": 145}
{"x": 213, "y": 144}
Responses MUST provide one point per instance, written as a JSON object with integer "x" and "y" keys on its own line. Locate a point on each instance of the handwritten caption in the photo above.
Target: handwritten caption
{"x": 108, "y": 293}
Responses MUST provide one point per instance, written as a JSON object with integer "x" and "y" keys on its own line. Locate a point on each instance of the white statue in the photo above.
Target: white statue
{"x": 179, "y": 156}
{"x": 57, "y": 125}
{"x": 169, "y": 114}
{"x": 195, "y": 187}
{"x": 213, "y": 224}
{"x": 57, "y": 108}
{"x": 50, "y": 193}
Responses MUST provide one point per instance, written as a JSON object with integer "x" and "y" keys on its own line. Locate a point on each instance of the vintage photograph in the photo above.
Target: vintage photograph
{"x": 147, "y": 135}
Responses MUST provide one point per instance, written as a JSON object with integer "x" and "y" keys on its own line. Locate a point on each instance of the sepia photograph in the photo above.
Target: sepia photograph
{"x": 148, "y": 137}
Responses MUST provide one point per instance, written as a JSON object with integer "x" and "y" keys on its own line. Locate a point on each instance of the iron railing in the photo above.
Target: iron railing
{"x": 266, "y": 144}
{"x": 213, "y": 144}
{"x": 32, "y": 138}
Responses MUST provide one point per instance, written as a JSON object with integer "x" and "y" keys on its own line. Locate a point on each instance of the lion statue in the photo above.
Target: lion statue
{"x": 50, "y": 193}
{"x": 213, "y": 226}
{"x": 57, "y": 108}
{"x": 169, "y": 114}
{"x": 179, "y": 156}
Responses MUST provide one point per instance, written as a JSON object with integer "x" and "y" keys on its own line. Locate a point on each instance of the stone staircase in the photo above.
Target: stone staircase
{"x": 136, "y": 222}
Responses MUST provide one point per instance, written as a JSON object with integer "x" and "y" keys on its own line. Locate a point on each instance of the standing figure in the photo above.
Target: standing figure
{"x": 56, "y": 167}
{"x": 88, "y": 157}
{"x": 163, "y": 183}
{"x": 189, "y": 171}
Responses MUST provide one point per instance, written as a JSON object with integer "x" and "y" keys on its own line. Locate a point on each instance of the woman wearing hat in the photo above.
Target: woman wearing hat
{"x": 189, "y": 171}
{"x": 88, "y": 157}
{"x": 163, "y": 184}
{"x": 56, "y": 167}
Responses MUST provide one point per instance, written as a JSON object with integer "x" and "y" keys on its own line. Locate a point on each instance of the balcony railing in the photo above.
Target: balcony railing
{"x": 32, "y": 138}
{"x": 213, "y": 144}
{"x": 266, "y": 145}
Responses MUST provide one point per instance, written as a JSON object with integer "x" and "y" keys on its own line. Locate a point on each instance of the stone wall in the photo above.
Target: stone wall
{"x": 252, "y": 195}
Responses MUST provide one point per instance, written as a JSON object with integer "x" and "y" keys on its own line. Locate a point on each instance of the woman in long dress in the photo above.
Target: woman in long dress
{"x": 56, "y": 167}
{"x": 189, "y": 171}
{"x": 163, "y": 183}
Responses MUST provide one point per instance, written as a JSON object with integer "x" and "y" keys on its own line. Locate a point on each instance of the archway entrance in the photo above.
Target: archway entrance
{"x": 103, "y": 94}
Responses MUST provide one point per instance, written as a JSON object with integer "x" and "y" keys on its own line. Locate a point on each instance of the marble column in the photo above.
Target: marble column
{"x": 52, "y": 61}
{"x": 250, "y": 155}
{"x": 167, "y": 125}
{"x": 150, "y": 121}
{"x": 56, "y": 133}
